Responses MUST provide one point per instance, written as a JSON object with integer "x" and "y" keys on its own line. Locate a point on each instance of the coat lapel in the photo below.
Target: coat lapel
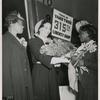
{"x": 15, "y": 40}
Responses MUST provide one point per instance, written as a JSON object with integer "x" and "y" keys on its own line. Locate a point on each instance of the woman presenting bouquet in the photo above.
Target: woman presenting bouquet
{"x": 43, "y": 72}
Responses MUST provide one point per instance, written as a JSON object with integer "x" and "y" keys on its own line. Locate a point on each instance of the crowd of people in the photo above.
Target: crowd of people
{"x": 52, "y": 77}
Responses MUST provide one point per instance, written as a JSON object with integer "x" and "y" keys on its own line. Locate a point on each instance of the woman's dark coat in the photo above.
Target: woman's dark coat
{"x": 88, "y": 83}
{"x": 43, "y": 75}
{"x": 17, "y": 82}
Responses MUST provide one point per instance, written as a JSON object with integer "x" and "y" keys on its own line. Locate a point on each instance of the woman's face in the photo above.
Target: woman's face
{"x": 45, "y": 30}
{"x": 19, "y": 26}
{"x": 84, "y": 36}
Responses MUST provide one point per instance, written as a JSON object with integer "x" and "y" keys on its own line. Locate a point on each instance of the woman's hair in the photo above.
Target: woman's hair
{"x": 47, "y": 19}
{"x": 91, "y": 30}
{"x": 13, "y": 17}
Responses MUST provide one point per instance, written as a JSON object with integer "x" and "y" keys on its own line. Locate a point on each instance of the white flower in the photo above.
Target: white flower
{"x": 91, "y": 46}
{"x": 83, "y": 68}
{"x": 19, "y": 16}
{"x": 23, "y": 42}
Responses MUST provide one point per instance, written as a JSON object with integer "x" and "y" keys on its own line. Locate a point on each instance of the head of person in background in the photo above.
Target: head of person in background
{"x": 15, "y": 23}
{"x": 43, "y": 27}
{"x": 86, "y": 31}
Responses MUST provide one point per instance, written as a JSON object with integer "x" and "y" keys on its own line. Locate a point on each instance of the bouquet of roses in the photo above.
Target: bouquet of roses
{"x": 57, "y": 47}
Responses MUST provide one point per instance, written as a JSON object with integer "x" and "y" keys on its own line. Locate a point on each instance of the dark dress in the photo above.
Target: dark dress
{"x": 17, "y": 83}
{"x": 43, "y": 75}
{"x": 88, "y": 83}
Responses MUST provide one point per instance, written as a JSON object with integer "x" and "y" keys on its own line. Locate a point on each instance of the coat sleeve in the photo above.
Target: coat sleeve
{"x": 91, "y": 61}
{"x": 7, "y": 81}
{"x": 35, "y": 45}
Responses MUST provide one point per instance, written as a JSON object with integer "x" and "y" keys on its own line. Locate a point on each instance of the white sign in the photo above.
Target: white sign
{"x": 62, "y": 25}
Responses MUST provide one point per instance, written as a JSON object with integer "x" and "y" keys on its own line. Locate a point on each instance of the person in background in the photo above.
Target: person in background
{"x": 43, "y": 72}
{"x": 88, "y": 81}
{"x": 17, "y": 83}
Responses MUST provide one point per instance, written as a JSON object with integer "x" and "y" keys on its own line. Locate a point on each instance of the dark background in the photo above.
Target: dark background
{"x": 78, "y": 9}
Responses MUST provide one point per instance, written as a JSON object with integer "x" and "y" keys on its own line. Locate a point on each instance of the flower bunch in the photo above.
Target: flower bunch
{"x": 23, "y": 42}
{"x": 90, "y": 46}
{"x": 80, "y": 52}
{"x": 57, "y": 47}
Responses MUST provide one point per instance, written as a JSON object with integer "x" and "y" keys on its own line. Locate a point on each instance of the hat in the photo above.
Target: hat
{"x": 13, "y": 16}
{"x": 19, "y": 16}
{"x": 46, "y": 19}
{"x": 38, "y": 25}
{"x": 81, "y": 23}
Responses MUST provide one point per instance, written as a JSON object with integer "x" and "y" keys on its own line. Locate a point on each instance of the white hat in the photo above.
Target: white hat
{"x": 81, "y": 23}
{"x": 19, "y": 16}
{"x": 38, "y": 25}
